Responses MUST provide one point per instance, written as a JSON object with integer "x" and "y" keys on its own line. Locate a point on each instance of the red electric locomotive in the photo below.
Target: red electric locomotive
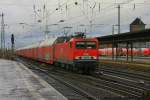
{"x": 74, "y": 53}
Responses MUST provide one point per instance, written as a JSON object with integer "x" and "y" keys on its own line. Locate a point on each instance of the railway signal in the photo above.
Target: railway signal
{"x": 12, "y": 42}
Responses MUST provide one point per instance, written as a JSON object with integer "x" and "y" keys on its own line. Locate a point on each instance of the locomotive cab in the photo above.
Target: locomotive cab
{"x": 85, "y": 54}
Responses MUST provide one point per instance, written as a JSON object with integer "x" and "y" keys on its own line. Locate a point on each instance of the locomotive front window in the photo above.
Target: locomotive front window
{"x": 86, "y": 45}
{"x": 90, "y": 45}
{"x": 80, "y": 45}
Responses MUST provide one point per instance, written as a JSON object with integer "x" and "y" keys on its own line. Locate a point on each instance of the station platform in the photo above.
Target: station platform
{"x": 17, "y": 82}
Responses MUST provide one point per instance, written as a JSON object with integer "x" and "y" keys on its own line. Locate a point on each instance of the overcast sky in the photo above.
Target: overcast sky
{"x": 96, "y": 17}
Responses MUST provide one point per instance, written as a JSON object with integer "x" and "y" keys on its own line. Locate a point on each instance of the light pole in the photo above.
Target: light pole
{"x": 2, "y": 35}
{"x": 113, "y": 42}
{"x": 119, "y": 19}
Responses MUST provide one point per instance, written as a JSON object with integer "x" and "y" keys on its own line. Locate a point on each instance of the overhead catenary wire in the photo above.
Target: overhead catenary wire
{"x": 124, "y": 3}
{"x": 99, "y": 13}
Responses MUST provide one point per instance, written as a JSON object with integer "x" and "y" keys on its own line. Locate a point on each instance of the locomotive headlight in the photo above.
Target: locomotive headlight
{"x": 78, "y": 57}
{"x": 93, "y": 57}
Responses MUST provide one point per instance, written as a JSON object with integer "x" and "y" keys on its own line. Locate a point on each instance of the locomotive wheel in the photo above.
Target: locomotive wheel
{"x": 56, "y": 64}
{"x": 80, "y": 70}
{"x": 67, "y": 67}
{"x": 62, "y": 65}
{"x": 75, "y": 69}
{"x": 71, "y": 68}
{"x": 86, "y": 70}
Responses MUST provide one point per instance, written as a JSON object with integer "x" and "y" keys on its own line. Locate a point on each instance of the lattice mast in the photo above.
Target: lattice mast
{"x": 2, "y": 32}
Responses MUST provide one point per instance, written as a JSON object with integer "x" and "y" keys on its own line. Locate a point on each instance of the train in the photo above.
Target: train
{"x": 144, "y": 52}
{"x": 78, "y": 54}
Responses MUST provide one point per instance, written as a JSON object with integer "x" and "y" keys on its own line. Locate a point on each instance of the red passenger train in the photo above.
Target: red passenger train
{"x": 73, "y": 53}
{"x": 144, "y": 52}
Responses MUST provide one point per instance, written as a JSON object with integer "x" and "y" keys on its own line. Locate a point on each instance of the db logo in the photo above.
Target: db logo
{"x": 86, "y": 54}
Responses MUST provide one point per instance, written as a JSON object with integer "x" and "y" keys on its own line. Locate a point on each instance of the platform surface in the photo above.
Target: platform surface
{"x": 17, "y": 82}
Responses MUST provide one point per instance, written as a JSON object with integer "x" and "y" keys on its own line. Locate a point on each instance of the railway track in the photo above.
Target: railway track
{"x": 123, "y": 88}
{"x": 132, "y": 79}
{"x": 77, "y": 93}
{"x": 138, "y": 77}
{"x": 104, "y": 82}
{"x": 91, "y": 87}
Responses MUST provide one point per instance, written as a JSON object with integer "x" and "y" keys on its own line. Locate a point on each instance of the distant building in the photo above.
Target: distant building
{"x": 137, "y": 25}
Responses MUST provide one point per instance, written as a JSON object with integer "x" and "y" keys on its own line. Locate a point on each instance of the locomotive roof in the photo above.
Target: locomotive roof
{"x": 62, "y": 39}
